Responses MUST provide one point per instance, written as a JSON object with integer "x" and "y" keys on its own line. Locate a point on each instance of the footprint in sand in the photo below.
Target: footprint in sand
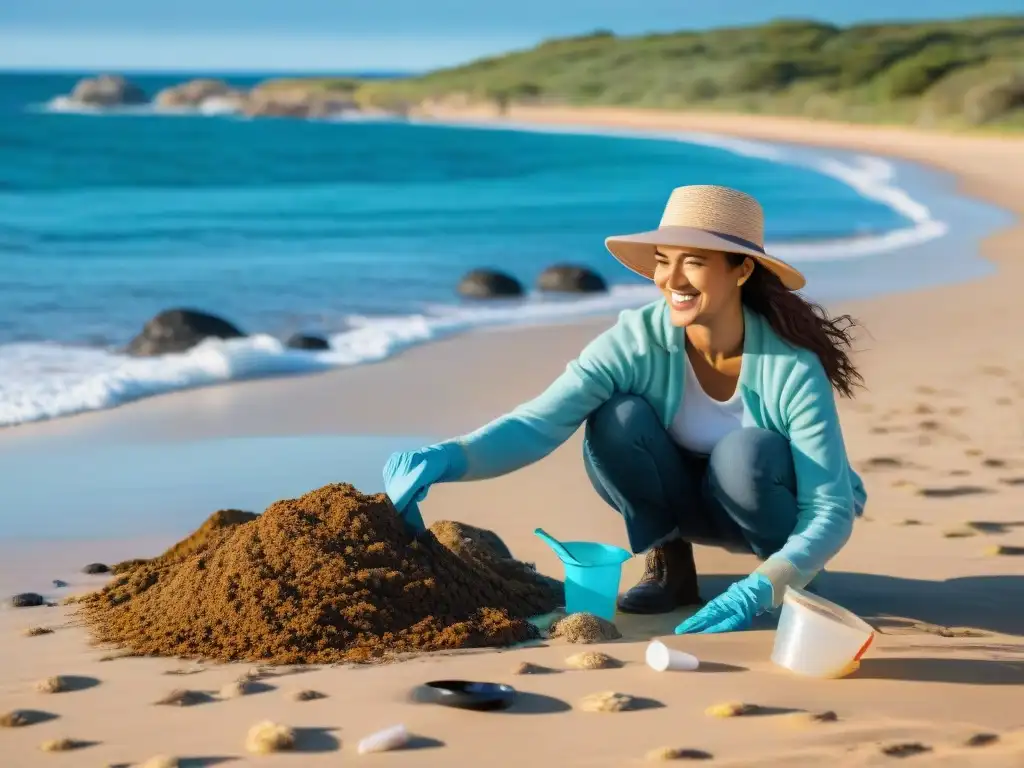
{"x": 994, "y": 463}
{"x": 959, "y": 533}
{"x": 1012, "y": 481}
{"x": 994, "y": 370}
{"x": 994, "y": 527}
{"x": 883, "y": 462}
{"x": 952, "y": 491}
{"x": 1005, "y": 550}
{"x": 905, "y": 749}
{"x": 940, "y": 631}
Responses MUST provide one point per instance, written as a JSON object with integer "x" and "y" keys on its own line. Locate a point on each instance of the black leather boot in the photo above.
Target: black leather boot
{"x": 669, "y": 581}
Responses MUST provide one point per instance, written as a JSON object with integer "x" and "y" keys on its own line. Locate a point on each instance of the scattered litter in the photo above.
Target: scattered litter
{"x": 387, "y": 740}
{"x": 661, "y": 658}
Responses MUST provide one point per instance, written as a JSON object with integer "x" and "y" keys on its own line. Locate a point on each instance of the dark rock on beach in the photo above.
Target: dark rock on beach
{"x": 27, "y": 600}
{"x": 569, "y": 278}
{"x": 177, "y": 330}
{"x": 107, "y": 91}
{"x": 487, "y": 284}
{"x": 307, "y": 341}
{"x": 59, "y": 584}
{"x": 95, "y": 568}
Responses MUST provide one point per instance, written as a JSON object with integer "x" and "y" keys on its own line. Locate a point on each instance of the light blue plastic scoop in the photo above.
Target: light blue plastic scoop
{"x": 563, "y": 554}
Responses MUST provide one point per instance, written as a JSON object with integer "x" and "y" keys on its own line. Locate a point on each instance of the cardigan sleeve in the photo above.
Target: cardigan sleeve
{"x": 824, "y": 493}
{"x": 537, "y": 427}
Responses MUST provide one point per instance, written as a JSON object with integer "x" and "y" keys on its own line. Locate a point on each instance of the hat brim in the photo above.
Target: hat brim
{"x": 636, "y": 251}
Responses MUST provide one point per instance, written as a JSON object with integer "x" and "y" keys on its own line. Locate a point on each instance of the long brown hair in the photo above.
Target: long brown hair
{"x": 803, "y": 324}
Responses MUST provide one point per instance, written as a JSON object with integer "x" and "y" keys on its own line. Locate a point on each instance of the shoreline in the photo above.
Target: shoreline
{"x": 937, "y": 435}
{"x": 917, "y": 197}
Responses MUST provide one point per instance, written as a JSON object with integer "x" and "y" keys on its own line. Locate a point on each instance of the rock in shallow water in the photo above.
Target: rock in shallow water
{"x": 26, "y": 600}
{"x": 570, "y": 278}
{"x": 488, "y": 284}
{"x": 178, "y": 330}
{"x": 107, "y": 91}
{"x": 94, "y": 568}
{"x": 307, "y": 341}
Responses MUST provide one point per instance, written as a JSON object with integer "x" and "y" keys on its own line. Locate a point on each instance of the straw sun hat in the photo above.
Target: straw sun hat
{"x": 709, "y": 217}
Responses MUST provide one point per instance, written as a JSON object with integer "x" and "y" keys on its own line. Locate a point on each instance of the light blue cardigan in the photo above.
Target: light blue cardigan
{"x": 784, "y": 389}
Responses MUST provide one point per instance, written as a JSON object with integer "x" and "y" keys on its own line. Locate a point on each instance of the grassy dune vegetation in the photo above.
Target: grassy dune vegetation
{"x": 960, "y": 73}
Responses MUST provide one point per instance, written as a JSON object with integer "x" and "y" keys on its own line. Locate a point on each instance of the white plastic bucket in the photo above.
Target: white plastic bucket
{"x": 818, "y": 638}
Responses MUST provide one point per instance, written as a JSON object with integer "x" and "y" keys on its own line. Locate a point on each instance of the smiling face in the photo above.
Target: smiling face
{"x": 699, "y": 285}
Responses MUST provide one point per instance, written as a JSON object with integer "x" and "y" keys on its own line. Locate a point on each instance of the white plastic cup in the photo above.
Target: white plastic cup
{"x": 818, "y": 638}
{"x": 661, "y": 658}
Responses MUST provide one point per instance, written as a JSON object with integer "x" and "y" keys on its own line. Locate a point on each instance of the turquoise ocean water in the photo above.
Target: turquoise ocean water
{"x": 360, "y": 230}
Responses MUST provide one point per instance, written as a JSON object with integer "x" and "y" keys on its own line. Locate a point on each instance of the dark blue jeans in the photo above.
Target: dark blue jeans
{"x": 742, "y": 497}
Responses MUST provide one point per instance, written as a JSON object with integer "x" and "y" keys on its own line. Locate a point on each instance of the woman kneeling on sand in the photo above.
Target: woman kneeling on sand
{"x": 750, "y": 458}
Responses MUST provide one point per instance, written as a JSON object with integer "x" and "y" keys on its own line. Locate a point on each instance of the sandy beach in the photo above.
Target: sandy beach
{"x": 938, "y": 435}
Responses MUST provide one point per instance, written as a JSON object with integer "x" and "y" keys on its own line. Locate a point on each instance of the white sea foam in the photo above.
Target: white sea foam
{"x": 43, "y": 381}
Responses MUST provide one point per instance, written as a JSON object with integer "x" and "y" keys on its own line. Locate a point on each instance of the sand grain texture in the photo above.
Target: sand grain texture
{"x": 333, "y": 576}
{"x": 266, "y": 737}
{"x": 55, "y": 684}
{"x": 592, "y": 660}
{"x": 584, "y": 628}
{"x": 605, "y": 701}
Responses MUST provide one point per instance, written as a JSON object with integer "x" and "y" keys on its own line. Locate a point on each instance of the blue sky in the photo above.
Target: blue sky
{"x": 334, "y": 35}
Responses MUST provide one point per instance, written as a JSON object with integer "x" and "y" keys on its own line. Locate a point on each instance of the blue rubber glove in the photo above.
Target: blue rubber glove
{"x": 732, "y": 610}
{"x": 408, "y": 476}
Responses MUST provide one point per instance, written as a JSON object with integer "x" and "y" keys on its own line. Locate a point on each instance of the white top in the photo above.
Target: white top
{"x": 701, "y": 421}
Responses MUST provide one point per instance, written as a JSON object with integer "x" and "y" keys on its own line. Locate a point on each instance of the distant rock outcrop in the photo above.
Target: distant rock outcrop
{"x": 307, "y": 341}
{"x": 177, "y": 330}
{"x": 107, "y": 91}
{"x": 488, "y": 284}
{"x": 570, "y": 278}
{"x": 195, "y": 92}
{"x": 297, "y": 98}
